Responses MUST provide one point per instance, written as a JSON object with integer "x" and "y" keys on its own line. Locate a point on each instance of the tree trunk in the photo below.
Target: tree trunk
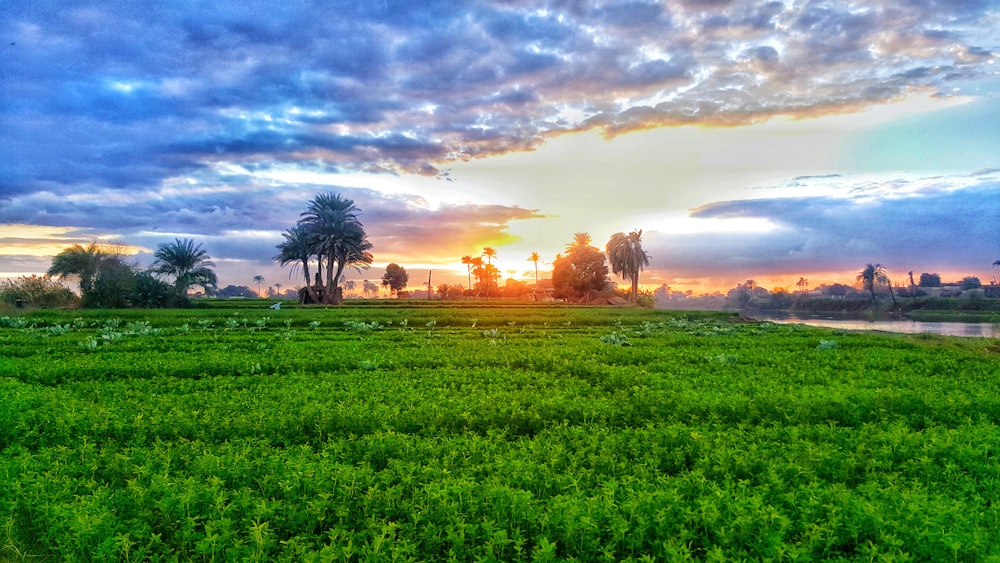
{"x": 331, "y": 282}
{"x": 337, "y": 293}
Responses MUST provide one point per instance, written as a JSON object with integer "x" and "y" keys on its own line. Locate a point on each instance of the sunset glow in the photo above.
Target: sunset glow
{"x": 747, "y": 140}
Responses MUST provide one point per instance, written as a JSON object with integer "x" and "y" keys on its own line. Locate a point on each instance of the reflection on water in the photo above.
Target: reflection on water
{"x": 981, "y": 330}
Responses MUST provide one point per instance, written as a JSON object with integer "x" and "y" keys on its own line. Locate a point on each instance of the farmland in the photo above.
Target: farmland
{"x": 477, "y": 433}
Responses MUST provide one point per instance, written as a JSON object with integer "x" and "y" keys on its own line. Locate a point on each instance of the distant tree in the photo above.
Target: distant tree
{"x": 535, "y": 258}
{"x": 837, "y": 290}
{"x": 442, "y": 290}
{"x": 395, "y": 278}
{"x": 369, "y": 288}
{"x": 485, "y": 274}
{"x": 493, "y": 274}
{"x": 930, "y": 280}
{"x": 259, "y": 280}
{"x": 581, "y": 272}
{"x": 627, "y": 258}
{"x": 467, "y": 260}
{"x": 234, "y": 291}
{"x": 80, "y": 262}
{"x": 187, "y": 263}
{"x": 747, "y": 295}
{"x": 779, "y": 298}
{"x": 514, "y": 288}
{"x": 874, "y": 276}
{"x": 802, "y": 284}
{"x": 971, "y": 282}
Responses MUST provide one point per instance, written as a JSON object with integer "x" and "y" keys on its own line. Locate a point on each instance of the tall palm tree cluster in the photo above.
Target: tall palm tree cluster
{"x": 486, "y": 274}
{"x": 329, "y": 235}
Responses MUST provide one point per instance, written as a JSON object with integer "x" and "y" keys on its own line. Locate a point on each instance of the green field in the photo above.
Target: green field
{"x": 420, "y": 433}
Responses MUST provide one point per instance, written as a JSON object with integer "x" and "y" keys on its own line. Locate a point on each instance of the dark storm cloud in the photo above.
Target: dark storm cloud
{"x": 925, "y": 224}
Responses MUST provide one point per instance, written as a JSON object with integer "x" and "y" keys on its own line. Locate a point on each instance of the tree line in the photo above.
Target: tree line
{"x": 108, "y": 278}
{"x": 330, "y": 235}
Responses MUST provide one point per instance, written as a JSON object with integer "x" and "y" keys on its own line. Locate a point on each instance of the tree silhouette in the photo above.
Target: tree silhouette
{"x": 81, "y": 262}
{"x": 297, "y": 251}
{"x": 337, "y": 236}
{"x": 259, "y": 280}
{"x": 467, "y": 260}
{"x": 535, "y": 258}
{"x": 627, "y": 257}
{"x": 187, "y": 263}
{"x": 395, "y": 278}
{"x": 581, "y": 271}
{"x": 873, "y": 276}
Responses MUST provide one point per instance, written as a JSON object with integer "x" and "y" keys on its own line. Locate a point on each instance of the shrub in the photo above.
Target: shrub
{"x": 36, "y": 291}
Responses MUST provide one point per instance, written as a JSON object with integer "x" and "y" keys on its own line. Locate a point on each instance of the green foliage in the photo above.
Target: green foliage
{"x": 581, "y": 272}
{"x": 36, "y": 291}
{"x": 184, "y": 436}
{"x": 971, "y": 282}
{"x": 395, "y": 278}
{"x": 930, "y": 280}
{"x": 616, "y": 339}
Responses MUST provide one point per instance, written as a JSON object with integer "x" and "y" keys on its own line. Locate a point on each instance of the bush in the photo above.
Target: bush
{"x": 971, "y": 282}
{"x": 36, "y": 291}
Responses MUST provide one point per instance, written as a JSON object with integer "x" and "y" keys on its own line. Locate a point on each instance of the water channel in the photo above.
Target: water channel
{"x": 979, "y": 330}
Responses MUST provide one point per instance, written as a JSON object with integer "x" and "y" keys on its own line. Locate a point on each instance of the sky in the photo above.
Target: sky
{"x": 748, "y": 140}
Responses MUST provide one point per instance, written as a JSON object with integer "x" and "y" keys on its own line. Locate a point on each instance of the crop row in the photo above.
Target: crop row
{"x": 360, "y": 437}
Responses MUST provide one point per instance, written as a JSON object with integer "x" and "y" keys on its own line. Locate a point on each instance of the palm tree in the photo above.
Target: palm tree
{"x": 82, "y": 262}
{"x": 187, "y": 263}
{"x": 467, "y": 260}
{"x": 478, "y": 270}
{"x": 580, "y": 240}
{"x": 277, "y": 289}
{"x": 802, "y": 284}
{"x": 337, "y": 237}
{"x": 873, "y": 276}
{"x": 259, "y": 280}
{"x": 535, "y": 258}
{"x": 296, "y": 250}
{"x": 627, "y": 257}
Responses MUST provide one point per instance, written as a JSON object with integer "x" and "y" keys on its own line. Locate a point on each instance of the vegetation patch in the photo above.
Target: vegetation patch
{"x": 474, "y": 433}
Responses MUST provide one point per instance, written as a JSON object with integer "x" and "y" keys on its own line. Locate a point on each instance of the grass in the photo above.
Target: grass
{"x": 477, "y": 433}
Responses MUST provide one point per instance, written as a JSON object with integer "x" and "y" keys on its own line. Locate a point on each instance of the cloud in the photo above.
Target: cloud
{"x": 931, "y": 224}
{"x": 149, "y": 120}
{"x": 131, "y": 94}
